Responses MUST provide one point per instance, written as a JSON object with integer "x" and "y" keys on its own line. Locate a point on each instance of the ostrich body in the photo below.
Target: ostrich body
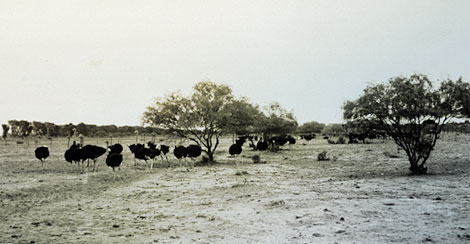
{"x": 42, "y": 153}
{"x": 180, "y": 152}
{"x": 235, "y": 149}
{"x": 93, "y": 152}
{"x": 194, "y": 151}
{"x": 153, "y": 152}
{"x": 262, "y": 145}
{"x": 114, "y": 160}
{"x": 116, "y": 148}
{"x": 164, "y": 149}
{"x": 140, "y": 152}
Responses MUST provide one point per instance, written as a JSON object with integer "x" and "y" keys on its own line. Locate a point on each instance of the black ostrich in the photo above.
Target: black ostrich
{"x": 42, "y": 153}
{"x": 71, "y": 153}
{"x": 116, "y": 148}
{"x": 75, "y": 154}
{"x": 140, "y": 152}
{"x": 114, "y": 160}
{"x": 194, "y": 151}
{"x": 235, "y": 149}
{"x": 93, "y": 152}
{"x": 180, "y": 152}
{"x": 291, "y": 140}
{"x": 262, "y": 145}
{"x": 164, "y": 149}
{"x": 153, "y": 152}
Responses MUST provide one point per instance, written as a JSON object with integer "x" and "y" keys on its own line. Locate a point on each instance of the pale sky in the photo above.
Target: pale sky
{"x": 103, "y": 62}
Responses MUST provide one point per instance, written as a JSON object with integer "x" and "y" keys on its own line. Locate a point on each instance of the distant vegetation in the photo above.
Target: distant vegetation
{"x": 23, "y": 128}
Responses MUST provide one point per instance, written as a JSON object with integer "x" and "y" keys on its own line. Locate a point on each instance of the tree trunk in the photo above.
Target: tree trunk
{"x": 417, "y": 168}
{"x": 211, "y": 157}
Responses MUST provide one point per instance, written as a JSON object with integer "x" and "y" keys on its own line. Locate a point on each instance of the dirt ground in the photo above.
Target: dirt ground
{"x": 366, "y": 195}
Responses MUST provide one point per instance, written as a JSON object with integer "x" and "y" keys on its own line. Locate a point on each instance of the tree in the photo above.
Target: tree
{"x": 14, "y": 127}
{"x": 276, "y": 120}
{"x": 202, "y": 117}
{"x": 243, "y": 116}
{"x": 25, "y": 128}
{"x": 311, "y": 127}
{"x": 39, "y": 128}
{"x": 50, "y": 129}
{"x": 5, "y": 131}
{"x": 411, "y": 112}
{"x": 333, "y": 129}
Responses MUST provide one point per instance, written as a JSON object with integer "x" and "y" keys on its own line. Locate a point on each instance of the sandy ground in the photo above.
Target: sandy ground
{"x": 365, "y": 196}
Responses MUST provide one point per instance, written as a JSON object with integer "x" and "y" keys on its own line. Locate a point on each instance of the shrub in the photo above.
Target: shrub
{"x": 256, "y": 159}
{"x": 322, "y": 156}
{"x": 341, "y": 140}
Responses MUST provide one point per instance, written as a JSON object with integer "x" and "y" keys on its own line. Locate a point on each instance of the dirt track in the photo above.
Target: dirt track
{"x": 365, "y": 196}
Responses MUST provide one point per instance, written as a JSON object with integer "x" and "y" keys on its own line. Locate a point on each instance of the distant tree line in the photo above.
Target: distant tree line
{"x": 23, "y": 128}
{"x": 456, "y": 127}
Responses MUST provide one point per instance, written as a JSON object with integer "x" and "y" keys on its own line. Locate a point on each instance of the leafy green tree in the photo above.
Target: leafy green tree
{"x": 202, "y": 117}
{"x": 411, "y": 112}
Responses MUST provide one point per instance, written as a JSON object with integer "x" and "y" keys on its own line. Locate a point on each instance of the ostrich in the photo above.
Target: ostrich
{"x": 114, "y": 160}
{"x": 134, "y": 148}
{"x": 93, "y": 152}
{"x": 116, "y": 148}
{"x": 194, "y": 151}
{"x": 42, "y": 153}
{"x": 75, "y": 154}
{"x": 180, "y": 152}
{"x": 140, "y": 152}
{"x": 164, "y": 149}
{"x": 291, "y": 140}
{"x": 235, "y": 149}
{"x": 262, "y": 145}
{"x": 153, "y": 152}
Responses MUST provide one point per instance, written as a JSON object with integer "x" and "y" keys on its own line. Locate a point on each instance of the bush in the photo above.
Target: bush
{"x": 341, "y": 140}
{"x": 256, "y": 159}
{"x": 322, "y": 156}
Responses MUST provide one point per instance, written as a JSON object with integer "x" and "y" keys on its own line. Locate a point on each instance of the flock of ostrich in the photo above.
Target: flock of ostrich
{"x": 149, "y": 153}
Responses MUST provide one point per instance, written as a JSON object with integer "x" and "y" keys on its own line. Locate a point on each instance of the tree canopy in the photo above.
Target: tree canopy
{"x": 311, "y": 127}
{"x": 277, "y": 120}
{"x": 333, "y": 130}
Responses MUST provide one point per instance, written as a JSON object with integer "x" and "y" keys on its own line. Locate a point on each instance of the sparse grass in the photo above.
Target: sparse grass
{"x": 84, "y": 206}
